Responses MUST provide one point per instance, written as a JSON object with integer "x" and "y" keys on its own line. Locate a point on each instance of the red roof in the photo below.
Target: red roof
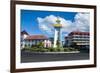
{"x": 35, "y": 37}
{"x": 79, "y": 33}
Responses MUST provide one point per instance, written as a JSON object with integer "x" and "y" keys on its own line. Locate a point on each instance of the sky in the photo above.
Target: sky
{"x": 41, "y": 22}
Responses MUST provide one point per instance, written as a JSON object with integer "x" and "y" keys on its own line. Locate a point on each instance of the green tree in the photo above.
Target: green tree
{"x": 40, "y": 44}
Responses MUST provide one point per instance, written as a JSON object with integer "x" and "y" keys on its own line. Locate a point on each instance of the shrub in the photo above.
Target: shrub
{"x": 58, "y": 49}
{"x": 40, "y": 45}
{"x": 51, "y": 49}
{"x": 44, "y": 50}
{"x": 67, "y": 49}
{"x": 34, "y": 46}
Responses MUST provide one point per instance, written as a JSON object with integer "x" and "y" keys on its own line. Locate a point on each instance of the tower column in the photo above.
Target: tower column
{"x": 57, "y": 40}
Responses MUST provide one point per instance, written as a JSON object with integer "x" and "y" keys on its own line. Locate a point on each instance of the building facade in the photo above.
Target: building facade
{"x": 77, "y": 38}
{"x": 33, "y": 40}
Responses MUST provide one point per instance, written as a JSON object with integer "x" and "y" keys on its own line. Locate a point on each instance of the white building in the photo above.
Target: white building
{"x": 80, "y": 39}
{"x": 33, "y": 40}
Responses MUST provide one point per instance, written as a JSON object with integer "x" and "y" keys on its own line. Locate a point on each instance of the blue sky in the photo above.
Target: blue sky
{"x": 32, "y": 21}
{"x": 29, "y": 19}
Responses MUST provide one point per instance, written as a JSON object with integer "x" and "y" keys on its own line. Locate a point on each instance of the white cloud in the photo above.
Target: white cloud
{"x": 81, "y": 23}
{"x": 46, "y": 24}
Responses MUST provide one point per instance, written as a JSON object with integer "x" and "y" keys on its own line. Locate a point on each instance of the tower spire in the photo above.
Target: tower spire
{"x": 58, "y": 21}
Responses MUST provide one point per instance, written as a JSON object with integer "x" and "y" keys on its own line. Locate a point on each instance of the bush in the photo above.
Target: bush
{"x": 58, "y": 49}
{"x": 35, "y": 49}
{"x": 40, "y": 45}
{"x": 34, "y": 46}
{"x": 42, "y": 49}
{"x": 51, "y": 49}
{"x": 67, "y": 50}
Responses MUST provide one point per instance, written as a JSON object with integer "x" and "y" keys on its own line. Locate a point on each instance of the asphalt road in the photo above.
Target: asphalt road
{"x": 44, "y": 57}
